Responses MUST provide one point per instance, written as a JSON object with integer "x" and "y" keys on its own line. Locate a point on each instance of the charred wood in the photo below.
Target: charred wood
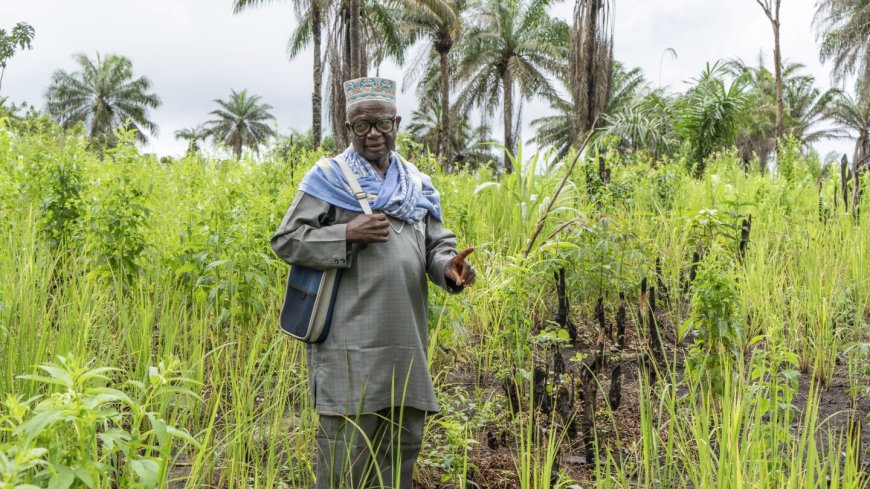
{"x": 660, "y": 283}
{"x": 614, "y": 397}
{"x": 603, "y": 329}
{"x": 745, "y": 228}
{"x": 562, "y": 318}
{"x": 539, "y": 391}
{"x": 620, "y": 322}
{"x": 587, "y": 418}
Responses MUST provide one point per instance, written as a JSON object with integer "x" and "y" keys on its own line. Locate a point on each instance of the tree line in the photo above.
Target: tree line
{"x": 481, "y": 57}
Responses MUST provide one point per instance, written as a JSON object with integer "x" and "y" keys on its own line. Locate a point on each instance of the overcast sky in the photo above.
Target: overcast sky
{"x": 195, "y": 51}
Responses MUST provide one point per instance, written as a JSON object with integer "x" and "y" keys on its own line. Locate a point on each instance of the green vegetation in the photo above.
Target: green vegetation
{"x": 193, "y": 136}
{"x": 844, "y": 29}
{"x": 104, "y": 97}
{"x": 682, "y": 302}
{"x": 241, "y": 122}
{"x": 146, "y": 292}
{"x": 515, "y": 47}
{"x": 20, "y": 37}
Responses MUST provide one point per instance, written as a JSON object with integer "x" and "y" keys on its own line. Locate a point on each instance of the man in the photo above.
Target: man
{"x": 369, "y": 379}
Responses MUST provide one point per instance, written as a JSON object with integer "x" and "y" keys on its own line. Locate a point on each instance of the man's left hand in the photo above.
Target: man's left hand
{"x": 459, "y": 270}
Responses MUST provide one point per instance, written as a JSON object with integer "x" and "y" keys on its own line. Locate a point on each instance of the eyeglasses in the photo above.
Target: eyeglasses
{"x": 361, "y": 128}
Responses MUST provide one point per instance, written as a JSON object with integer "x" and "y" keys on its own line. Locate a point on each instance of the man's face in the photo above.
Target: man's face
{"x": 373, "y": 145}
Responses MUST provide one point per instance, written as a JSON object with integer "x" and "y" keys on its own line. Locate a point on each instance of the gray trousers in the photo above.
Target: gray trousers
{"x": 373, "y": 450}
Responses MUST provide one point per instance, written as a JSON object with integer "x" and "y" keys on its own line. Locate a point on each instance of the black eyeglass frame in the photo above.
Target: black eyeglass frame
{"x": 369, "y": 124}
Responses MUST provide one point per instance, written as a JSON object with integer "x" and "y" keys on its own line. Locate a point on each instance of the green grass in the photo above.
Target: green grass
{"x": 171, "y": 263}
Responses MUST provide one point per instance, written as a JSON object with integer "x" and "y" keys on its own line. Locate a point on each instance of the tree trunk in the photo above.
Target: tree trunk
{"x": 862, "y": 148}
{"x": 856, "y": 179}
{"x": 589, "y": 54}
{"x": 777, "y": 60}
{"x": 844, "y": 162}
{"x": 316, "y": 101}
{"x": 590, "y": 61}
{"x": 340, "y": 60}
{"x": 446, "y": 150}
{"x": 562, "y": 312}
{"x": 508, "y": 118}
{"x": 771, "y": 10}
{"x": 355, "y": 44}
{"x": 347, "y": 54}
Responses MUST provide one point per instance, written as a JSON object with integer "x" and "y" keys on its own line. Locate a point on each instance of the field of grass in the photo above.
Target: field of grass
{"x": 139, "y": 303}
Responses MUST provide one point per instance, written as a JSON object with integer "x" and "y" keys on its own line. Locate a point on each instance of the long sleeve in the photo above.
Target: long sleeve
{"x": 309, "y": 237}
{"x": 440, "y": 249}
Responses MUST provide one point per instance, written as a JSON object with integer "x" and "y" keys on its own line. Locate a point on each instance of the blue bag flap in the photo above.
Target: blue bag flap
{"x": 302, "y": 287}
{"x": 305, "y": 279}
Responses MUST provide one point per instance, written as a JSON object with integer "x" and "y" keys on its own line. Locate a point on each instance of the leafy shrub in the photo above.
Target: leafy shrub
{"x": 793, "y": 166}
{"x": 87, "y": 434}
{"x": 117, "y": 227}
{"x": 118, "y": 216}
{"x": 715, "y": 313}
{"x": 61, "y": 209}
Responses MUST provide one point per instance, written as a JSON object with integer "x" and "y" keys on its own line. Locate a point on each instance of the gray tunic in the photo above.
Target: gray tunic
{"x": 375, "y": 354}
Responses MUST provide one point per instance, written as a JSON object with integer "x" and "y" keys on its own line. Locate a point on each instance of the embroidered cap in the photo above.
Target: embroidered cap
{"x": 368, "y": 88}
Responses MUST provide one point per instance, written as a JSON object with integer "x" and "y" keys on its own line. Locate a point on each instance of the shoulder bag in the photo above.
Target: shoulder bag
{"x": 310, "y": 297}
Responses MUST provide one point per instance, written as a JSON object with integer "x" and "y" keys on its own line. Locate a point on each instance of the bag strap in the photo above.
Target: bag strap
{"x": 358, "y": 192}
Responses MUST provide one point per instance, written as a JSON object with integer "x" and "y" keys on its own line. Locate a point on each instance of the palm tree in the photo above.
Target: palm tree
{"x": 425, "y": 124}
{"x": 310, "y": 16}
{"x": 193, "y": 135}
{"x": 806, "y": 108}
{"x": 771, "y": 10}
{"x": 470, "y": 141}
{"x": 514, "y": 44}
{"x": 853, "y": 114}
{"x": 359, "y": 37}
{"x": 563, "y": 130}
{"x": 20, "y": 37}
{"x": 646, "y": 124}
{"x": 710, "y": 114}
{"x": 104, "y": 96}
{"x": 441, "y": 22}
{"x": 756, "y": 138}
{"x": 844, "y": 29}
{"x": 591, "y": 60}
{"x": 473, "y": 147}
{"x": 240, "y": 123}
{"x": 558, "y": 131}
{"x": 625, "y": 87}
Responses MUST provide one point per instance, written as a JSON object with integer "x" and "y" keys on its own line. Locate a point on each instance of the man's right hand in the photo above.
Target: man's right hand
{"x": 368, "y": 228}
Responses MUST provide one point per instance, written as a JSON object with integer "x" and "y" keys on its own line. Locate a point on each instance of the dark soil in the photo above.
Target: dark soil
{"x": 495, "y": 457}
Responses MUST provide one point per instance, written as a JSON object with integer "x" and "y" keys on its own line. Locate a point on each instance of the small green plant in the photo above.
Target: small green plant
{"x": 89, "y": 435}
{"x": 788, "y": 165}
{"x": 117, "y": 226}
{"x": 118, "y": 215}
{"x": 858, "y": 355}
{"x": 773, "y": 383}
{"x": 459, "y": 441}
{"x": 61, "y": 209}
{"x": 552, "y": 338}
{"x": 715, "y": 312}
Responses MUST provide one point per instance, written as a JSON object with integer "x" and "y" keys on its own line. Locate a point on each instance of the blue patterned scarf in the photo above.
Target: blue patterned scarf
{"x": 404, "y": 193}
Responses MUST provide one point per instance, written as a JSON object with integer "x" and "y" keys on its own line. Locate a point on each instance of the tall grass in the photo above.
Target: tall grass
{"x": 189, "y": 280}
